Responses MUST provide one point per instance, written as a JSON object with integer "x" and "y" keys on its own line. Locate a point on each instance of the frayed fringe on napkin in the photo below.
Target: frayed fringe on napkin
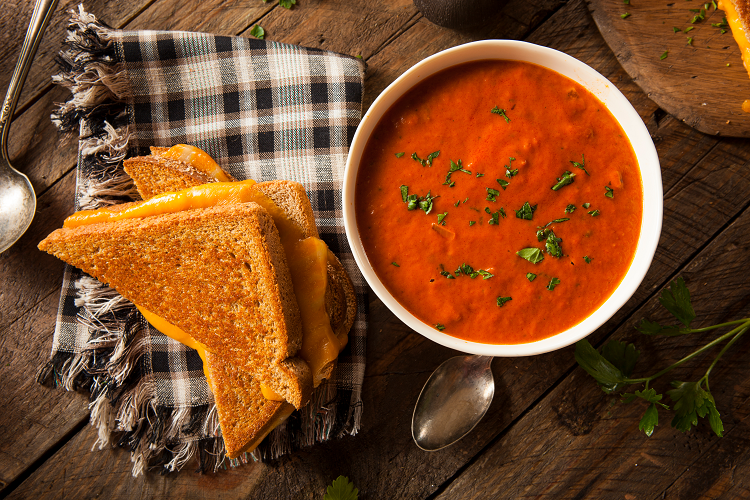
{"x": 123, "y": 406}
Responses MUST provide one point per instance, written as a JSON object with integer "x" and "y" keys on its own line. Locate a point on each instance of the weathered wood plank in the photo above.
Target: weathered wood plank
{"x": 14, "y": 20}
{"x": 35, "y": 417}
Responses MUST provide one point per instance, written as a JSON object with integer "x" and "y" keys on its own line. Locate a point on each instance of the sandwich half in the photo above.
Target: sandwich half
{"x": 258, "y": 383}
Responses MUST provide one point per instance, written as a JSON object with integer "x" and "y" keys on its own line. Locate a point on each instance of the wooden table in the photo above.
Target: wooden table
{"x": 550, "y": 432}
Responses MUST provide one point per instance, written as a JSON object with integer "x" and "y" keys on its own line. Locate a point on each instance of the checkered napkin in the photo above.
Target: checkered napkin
{"x": 262, "y": 110}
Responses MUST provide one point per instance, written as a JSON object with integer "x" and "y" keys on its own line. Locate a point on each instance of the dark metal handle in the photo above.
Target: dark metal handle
{"x": 39, "y": 19}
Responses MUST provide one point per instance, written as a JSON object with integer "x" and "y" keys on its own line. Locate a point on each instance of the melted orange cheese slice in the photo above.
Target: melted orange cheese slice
{"x": 307, "y": 259}
{"x": 197, "y": 158}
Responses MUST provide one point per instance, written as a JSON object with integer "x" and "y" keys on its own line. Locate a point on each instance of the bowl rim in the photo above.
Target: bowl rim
{"x": 621, "y": 109}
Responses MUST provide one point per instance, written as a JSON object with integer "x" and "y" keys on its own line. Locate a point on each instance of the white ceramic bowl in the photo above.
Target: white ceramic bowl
{"x": 620, "y": 108}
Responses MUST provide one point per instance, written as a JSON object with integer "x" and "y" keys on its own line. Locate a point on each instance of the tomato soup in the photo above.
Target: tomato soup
{"x": 499, "y": 201}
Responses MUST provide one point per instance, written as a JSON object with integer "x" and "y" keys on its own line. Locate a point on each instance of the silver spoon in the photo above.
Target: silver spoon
{"x": 17, "y": 198}
{"x": 453, "y": 401}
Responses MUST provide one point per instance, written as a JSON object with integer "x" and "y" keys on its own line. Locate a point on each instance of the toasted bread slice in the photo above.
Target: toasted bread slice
{"x": 218, "y": 273}
{"x": 155, "y": 174}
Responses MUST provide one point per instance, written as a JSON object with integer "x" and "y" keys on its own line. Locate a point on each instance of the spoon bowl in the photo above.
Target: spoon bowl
{"x": 17, "y": 198}
{"x": 453, "y": 401}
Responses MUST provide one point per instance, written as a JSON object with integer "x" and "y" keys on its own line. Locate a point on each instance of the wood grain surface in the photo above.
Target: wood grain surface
{"x": 550, "y": 432}
{"x": 700, "y": 81}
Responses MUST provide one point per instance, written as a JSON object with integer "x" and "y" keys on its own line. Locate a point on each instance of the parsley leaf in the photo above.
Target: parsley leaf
{"x": 287, "y": 4}
{"x": 502, "y": 300}
{"x": 494, "y": 217}
{"x": 530, "y": 276}
{"x": 567, "y": 178}
{"x": 587, "y": 259}
{"x": 503, "y": 183}
{"x": 533, "y": 255}
{"x": 570, "y": 209}
{"x": 594, "y": 213}
{"x": 608, "y": 192}
{"x": 553, "y": 246}
{"x": 426, "y": 162}
{"x": 607, "y": 375}
{"x": 691, "y": 402}
{"x": 496, "y": 110}
{"x": 553, "y": 283}
{"x": 414, "y": 201}
{"x": 395, "y": 264}
{"x": 441, "y": 218}
{"x": 676, "y": 300}
{"x": 440, "y": 327}
{"x": 492, "y": 194}
{"x": 341, "y": 489}
{"x": 581, "y": 165}
{"x": 258, "y": 32}
{"x": 510, "y": 172}
{"x": 399, "y": 155}
{"x": 526, "y": 212}
{"x": 455, "y": 167}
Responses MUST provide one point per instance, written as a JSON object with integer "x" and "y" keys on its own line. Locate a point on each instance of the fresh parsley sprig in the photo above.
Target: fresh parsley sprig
{"x": 612, "y": 368}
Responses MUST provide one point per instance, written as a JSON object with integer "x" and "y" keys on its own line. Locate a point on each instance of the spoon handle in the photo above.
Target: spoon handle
{"x": 42, "y": 12}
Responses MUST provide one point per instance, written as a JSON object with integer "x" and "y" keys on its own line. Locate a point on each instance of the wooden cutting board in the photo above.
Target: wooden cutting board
{"x": 703, "y": 83}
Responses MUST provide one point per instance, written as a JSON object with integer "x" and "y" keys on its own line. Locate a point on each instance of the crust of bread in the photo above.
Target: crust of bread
{"x": 219, "y": 274}
{"x": 154, "y": 174}
{"x": 245, "y": 416}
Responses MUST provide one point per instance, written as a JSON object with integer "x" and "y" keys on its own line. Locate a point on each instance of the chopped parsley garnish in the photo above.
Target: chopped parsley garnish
{"x": 689, "y": 28}
{"x": 494, "y": 217}
{"x": 608, "y": 192}
{"x": 502, "y": 300}
{"x": 587, "y": 259}
{"x": 530, "y": 276}
{"x": 492, "y": 194}
{"x": 510, "y": 172}
{"x": 503, "y": 183}
{"x": 664, "y": 55}
{"x": 479, "y": 175}
{"x": 456, "y": 204}
{"x": 586, "y": 205}
{"x": 502, "y": 212}
{"x": 414, "y": 201}
{"x": 472, "y": 222}
{"x": 675, "y": 29}
{"x": 427, "y": 162}
{"x": 441, "y": 218}
{"x": 567, "y": 178}
{"x": 469, "y": 271}
{"x": 570, "y": 209}
{"x": 399, "y": 155}
{"x": 455, "y": 167}
{"x": 447, "y": 275}
{"x": 581, "y": 165}
{"x": 526, "y": 212}
{"x": 500, "y": 112}
{"x": 553, "y": 283}
{"x": 440, "y": 327}
{"x": 533, "y": 255}
{"x": 625, "y": 15}
{"x": 395, "y": 264}
{"x": 553, "y": 245}
{"x": 594, "y": 213}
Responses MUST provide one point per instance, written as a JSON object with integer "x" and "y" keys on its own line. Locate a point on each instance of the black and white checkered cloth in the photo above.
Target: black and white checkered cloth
{"x": 262, "y": 110}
